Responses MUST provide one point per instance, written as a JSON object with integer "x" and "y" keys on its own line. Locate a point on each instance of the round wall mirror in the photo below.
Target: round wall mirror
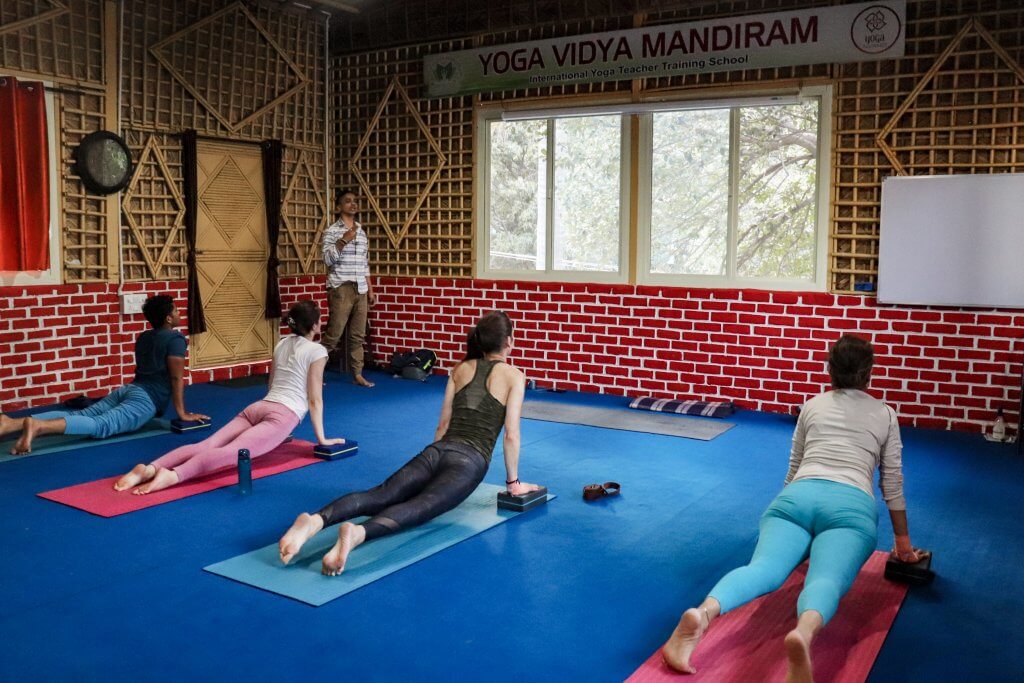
{"x": 104, "y": 162}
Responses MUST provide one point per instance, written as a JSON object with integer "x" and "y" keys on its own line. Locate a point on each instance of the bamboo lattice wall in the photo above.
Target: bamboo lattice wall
{"x": 63, "y": 42}
{"x": 232, "y": 71}
{"x": 952, "y": 105}
{"x": 397, "y": 158}
{"x": 242, "y": 72}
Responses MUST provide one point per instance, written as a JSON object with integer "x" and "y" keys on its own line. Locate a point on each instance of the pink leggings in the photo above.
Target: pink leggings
{"x": 261, "y": 428}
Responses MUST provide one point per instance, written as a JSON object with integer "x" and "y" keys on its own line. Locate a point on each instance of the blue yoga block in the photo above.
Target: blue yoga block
{"x": 337, "y": 451}
{"x": 180, "y": 426}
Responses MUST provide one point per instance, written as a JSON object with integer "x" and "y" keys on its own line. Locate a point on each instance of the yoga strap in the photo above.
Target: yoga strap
{"x": 597, "y": 491}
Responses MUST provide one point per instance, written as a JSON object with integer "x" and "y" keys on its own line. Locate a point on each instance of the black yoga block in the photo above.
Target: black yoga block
{"x": 336, "y": 451}
{"x": 917, "y": 574}
{"x": 507, "y": 501}
{"x": 179, "y": 426}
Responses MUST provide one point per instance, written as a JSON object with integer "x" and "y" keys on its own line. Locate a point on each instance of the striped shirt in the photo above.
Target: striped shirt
{"x": 844, "y": 435}
{"x": 351, "y": 264}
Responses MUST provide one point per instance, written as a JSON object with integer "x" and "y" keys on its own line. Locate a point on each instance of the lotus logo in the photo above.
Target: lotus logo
{"x": 444, "y": 72}
{"x": 875, "y": 21}
{"x": 876, "y": 29}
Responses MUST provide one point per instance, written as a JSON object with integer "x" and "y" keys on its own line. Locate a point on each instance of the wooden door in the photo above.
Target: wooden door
{"x": 231, "y": 256}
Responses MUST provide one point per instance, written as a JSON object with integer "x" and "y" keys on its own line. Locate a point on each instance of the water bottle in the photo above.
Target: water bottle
{"x": 244, "y": 472}
{"x": 999, "y": 426}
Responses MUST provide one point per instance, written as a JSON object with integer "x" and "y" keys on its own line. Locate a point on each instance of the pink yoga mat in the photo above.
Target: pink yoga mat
{"x": 746, "y": 644}
{"x": 100, "y": 498}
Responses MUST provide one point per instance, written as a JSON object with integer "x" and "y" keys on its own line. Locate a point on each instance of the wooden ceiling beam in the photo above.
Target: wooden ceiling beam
{"x": 336, "y": 4}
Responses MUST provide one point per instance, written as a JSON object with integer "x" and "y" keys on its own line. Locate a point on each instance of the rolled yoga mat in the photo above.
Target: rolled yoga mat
{"x": 746, "y": 644}
{"x": 100, "y": 498}
{"x": 55, "y": 443}
{"x": 301, "y": 580}
{"x": 628, "y": 420}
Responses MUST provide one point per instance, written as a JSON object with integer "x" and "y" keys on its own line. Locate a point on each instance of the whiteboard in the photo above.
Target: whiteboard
{"x": 955, "y": 240}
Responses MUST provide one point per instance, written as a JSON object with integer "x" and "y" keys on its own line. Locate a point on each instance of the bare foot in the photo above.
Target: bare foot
{"x": 161, "y": 480}
{"x": 9, "y": 425}
{"x": 306, "y": 526}
{"x": 798, "y": 654}
{"x": 349, "y": 536}
{"x": 139, "y": 475}
{"x": 23, "y": 445}
{"x": 676, "y": 652}
{"x": 362, "y": 381}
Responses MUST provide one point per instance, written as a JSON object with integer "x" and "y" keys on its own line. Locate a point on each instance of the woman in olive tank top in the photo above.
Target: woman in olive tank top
{"x": 483, "y": 395}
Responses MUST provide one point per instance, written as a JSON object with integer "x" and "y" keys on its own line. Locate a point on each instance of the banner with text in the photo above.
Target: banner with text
{"x": 845, "y": 33}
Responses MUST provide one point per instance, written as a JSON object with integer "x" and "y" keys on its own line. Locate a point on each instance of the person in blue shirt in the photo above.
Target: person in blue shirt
{"x": 159, "y": 377}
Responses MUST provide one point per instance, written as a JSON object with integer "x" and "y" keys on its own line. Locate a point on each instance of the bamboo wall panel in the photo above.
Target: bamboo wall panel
{"x": 86, "y": 237}
{"x": 232, "y": 248}
{"x": 952, "y": 105}
{"x": 398, "y": 162}
{"x": 304, "y": 212}
{"x": 234, "y": 72}
{"x": 59, "y": 39}
{"x": 380, "y": 25}
{"x": 153, "y": 210}
{"x": 955, "y": 113}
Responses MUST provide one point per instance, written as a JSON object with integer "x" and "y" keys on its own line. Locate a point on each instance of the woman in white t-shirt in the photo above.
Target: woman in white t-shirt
{"x": 296, "y": 384}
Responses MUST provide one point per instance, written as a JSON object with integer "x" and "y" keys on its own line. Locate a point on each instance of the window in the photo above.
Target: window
{"x": 731, "y": 193}
{"x": 554, "y": 199}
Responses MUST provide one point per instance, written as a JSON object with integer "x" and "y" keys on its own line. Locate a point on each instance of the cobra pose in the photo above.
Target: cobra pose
{"x": 827, "y": 510}
{"x": 483, "y": 394}
{"x": 159, "y": 369}
{"x": 296, "y": 384}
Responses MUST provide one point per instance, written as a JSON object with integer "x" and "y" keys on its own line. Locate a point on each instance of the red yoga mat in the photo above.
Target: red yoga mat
{"x": 100, "y": 498}
{"x": 746, "y": 644}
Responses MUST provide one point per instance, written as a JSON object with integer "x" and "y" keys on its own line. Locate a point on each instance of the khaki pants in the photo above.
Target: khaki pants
{"x": 347, "y": 307}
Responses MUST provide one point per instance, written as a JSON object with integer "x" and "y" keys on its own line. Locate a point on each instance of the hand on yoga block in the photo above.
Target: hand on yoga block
{"x": 179, "y": 426}
{"x": 915, "y": 573}
{"x": 335, "y": 451}
{"x": 523, "y": 501}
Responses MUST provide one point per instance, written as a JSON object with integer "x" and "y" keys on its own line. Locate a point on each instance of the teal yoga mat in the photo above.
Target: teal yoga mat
{"x": 301, "y": 580}
{"x": 54, "y": 443}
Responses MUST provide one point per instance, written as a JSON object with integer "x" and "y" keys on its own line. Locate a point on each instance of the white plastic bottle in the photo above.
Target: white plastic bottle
{"x": 999, "y": 426}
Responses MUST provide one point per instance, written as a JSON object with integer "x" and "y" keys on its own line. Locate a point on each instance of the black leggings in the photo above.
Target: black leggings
{"x": 432, "y": 483}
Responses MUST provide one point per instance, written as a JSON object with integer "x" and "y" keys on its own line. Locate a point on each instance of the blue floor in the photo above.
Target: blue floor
{"x": 569, "y": 592}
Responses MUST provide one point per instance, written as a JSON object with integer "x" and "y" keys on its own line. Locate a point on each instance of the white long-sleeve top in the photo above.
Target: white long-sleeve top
{"x": 843, "y": 435}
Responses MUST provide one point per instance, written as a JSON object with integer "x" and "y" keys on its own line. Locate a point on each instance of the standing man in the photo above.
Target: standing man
{"x": 349, "y": 290}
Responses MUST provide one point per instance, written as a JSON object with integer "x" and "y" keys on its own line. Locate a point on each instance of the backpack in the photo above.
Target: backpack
{"x": 413, "y": 365}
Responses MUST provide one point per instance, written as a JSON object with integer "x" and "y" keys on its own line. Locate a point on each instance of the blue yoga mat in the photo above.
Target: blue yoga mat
{"x": 54, "y": 443}
{"x": 302, "y": 580}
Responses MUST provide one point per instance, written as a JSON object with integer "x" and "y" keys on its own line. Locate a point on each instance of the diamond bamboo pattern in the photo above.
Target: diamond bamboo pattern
{"x": 395, "y": 88}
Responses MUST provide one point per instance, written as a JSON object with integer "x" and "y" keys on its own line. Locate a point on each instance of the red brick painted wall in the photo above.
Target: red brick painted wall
{"x": 63, "y": 340}
{"x": 944, "y": 368}
{"x": 765, "y": 350}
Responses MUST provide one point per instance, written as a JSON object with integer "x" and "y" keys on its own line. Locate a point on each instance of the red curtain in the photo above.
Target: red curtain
{"x": 24, "y": 177}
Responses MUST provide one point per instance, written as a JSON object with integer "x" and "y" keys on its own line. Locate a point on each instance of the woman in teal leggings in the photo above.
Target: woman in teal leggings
{"x": 825, "y": 512}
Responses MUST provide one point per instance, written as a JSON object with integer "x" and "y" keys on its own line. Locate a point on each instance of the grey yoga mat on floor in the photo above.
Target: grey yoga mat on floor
{"x": 55, "y": 443}
{"x": 625, "y": 419}
{"x": 302, "y": 580}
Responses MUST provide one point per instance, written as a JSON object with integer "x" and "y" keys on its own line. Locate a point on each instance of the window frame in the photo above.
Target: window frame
{"x": 819, "y": 283}
{"x": 54, "y": 274}
{"x": 481, "y": 223}
{"x": 635, "y": 266}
